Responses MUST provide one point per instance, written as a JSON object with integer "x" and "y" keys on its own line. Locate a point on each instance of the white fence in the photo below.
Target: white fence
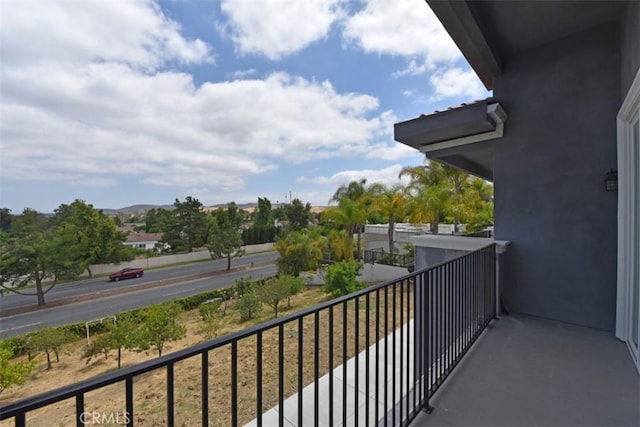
{"x": 165, "y": 260}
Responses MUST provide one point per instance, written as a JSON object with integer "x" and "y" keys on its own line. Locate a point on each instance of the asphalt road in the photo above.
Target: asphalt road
{"x": 88, "y": 286}
{"x": 101, "y": 307}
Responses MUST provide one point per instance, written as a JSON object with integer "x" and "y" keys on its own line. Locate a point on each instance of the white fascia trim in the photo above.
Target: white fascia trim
{"x": 498, "y": 115}
{"x": 626, "y": 207}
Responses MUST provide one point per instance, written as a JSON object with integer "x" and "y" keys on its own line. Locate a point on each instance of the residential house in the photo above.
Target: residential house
{"x": 143, "y": 240}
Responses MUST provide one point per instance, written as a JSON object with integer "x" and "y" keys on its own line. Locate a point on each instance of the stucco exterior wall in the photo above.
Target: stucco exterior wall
{"x": 560, "y": 140}
{"x": 427, "y": 257}
{"x": 630, "y": 39}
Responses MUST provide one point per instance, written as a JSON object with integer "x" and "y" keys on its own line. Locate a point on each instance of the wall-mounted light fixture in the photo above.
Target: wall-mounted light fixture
{"x": 611, "y": 181}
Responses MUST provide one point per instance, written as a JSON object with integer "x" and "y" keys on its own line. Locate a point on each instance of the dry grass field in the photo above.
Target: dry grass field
{"x": 150, "y": 388}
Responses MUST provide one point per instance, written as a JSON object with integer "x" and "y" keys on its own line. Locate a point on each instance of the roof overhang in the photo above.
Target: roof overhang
{"x": 488, "y": 32}
{"x": 461, "y": 137}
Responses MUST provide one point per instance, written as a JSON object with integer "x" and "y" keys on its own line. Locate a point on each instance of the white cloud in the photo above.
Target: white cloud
{"x": 456, "y": 82}
{"x": 277, "y": 28}
{"x": 387, "y": 176}
{"x": 70, "y": 113}
{"x": 243, "y": 74}
{"x": 403, "y": 27}
{"x": 132, "y": 32}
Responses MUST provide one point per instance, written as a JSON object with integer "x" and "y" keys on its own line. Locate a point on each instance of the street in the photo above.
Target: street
{"x": 98, "y": 306}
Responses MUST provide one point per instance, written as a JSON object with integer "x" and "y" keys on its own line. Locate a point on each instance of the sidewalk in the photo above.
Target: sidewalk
{"x": 375, "y": 398}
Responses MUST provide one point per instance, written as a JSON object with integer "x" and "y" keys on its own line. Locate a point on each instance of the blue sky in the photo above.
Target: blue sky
{"x": 121, "y": 103}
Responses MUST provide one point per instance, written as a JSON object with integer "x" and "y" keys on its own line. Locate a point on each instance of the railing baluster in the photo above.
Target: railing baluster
{"x": 128, "y": 387}
{"x": 316, "y": 368}
{"x": 367, "y": 336}
{"x": 344, "y": 363}
{"x": 281, "y": 374}
{"x": 300, "y": 373}
{"x": 377, "y": 355}
{"x": 234, "y": 383}
{"x": 401, "y": 366}
{"x": 393, "y": 354}
{"x": 204, "y": 371}
{"x": 418, "y": 316}
{"x": 330, "y": 366}
{"x": 170, "y": 412}
{"x": 259, "y": 378}
{"x": 357, "y": 359}
{"x": 386, "y": 355}
{"x": 80, "y": 410}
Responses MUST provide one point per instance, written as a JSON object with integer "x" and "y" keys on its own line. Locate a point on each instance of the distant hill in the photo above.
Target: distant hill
{"x": 136, "y": 209}
{"x": 141, "y": 209}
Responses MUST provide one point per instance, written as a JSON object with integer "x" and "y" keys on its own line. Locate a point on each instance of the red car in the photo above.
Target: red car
{"x": 126, "y": 273}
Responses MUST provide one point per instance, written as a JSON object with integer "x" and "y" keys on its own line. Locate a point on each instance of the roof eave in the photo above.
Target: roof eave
{"x": 459, "y": 21}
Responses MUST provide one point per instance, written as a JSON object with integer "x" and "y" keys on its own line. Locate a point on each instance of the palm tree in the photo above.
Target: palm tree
{"x": 430, "y": 192}
{"x": 350, "y": 215}
{"x": 354, "y": 190}
{"x": 390, "y": 203}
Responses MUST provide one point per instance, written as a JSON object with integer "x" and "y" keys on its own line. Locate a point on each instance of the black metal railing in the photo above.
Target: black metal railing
{"x": 407, "y": 336}
{"x": 379, "y": 256}
{"x": 481, "y": 233}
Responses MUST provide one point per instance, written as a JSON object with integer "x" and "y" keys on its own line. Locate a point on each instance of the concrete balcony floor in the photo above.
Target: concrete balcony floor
{"x": 527, "y": 371}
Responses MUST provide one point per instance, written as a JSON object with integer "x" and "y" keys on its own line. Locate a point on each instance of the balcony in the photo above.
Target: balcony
{"x": 376, "y": 357}
{"x": 528, "y": 371}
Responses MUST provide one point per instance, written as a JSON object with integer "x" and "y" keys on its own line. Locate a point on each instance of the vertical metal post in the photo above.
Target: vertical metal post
{"x": 300, "y": 367}
{"x": 281, "y": 374}
{"x": 259, "y": 378}
{"x": 80, "y": 409}
{"x": 234, "y": 383}
{"x": 170, "y": 399}
{"x": 316, "y": 369}
{"x": 128, "y": 386}
{"x": 205, "y": 388}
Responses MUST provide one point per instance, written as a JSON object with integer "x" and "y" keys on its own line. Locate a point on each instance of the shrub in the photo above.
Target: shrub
{"x": 248, "y": 306}
{"x": 340, "y": 278}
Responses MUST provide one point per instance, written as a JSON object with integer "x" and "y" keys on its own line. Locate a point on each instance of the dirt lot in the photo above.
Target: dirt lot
{"x": 150, "y": 388}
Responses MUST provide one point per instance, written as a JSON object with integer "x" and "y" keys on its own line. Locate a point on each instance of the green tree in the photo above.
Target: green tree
{"x": 12, "y": 373}
{"x": 35, "y": 252}
{"x": 189, "y": 223}
{"x": 123, "y": 333}
{"x": 389, "y": 203}
{"x": 355, "y": 190}
{"x": 50, "y": 340}
{"x": 224, "y": 239}
{"x": 298, "y": 215}
{"x": 157, "y": 220}
{"x": 296, "y": 285}
{"x": 93, "y": 237}
{"x": 299, "y": 251}
{"x": 211, "y": 315}
{"x": 274, "y": 291}
{"x": 478, "y": 198}
{"x": 5, "y": 219}
{"x": 430, "y": 193}
{"x": 248, "y": 306}
{"x": 338, "y": 245}
{"x": 159, "y": 325}
{"x": 244, "y": 285}
{"x": 100, "y": 345}
{"x": 350, "y": 215}
{"x": 263, "y": 216}
{"x": 340, "y": 278}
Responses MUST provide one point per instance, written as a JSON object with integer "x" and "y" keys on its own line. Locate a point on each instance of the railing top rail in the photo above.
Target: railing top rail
{"x": 66, "y": 392}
